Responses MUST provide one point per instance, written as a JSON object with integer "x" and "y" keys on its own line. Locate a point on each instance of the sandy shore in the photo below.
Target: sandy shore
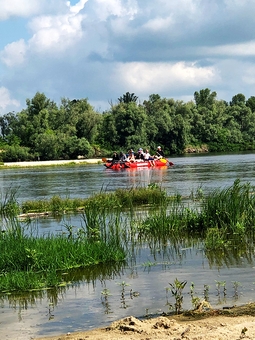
{"x": 59, "y": 162}
{"x": 216, "y": 327}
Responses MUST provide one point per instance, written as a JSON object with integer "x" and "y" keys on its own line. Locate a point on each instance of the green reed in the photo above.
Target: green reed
{"x": 8, "y": 203}
{"x": 28, "y": 262}
{"x": 124, "y": 198}
{"x": 225, "y": 217}
{"x": 56, "y": 204}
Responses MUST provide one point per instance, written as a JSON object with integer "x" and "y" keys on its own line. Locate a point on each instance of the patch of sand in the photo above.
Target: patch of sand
{"x": 59, "y": 162}
{"x": 212, "y": 326}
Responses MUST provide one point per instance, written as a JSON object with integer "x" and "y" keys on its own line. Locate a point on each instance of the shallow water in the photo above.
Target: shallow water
{"x": 82, "y": 305}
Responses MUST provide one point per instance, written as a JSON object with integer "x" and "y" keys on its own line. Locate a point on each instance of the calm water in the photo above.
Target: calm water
{"x": 82, "y": 305}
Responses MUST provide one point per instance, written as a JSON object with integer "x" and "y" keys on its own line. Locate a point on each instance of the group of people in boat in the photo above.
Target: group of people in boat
{"x": 131, "y": 156}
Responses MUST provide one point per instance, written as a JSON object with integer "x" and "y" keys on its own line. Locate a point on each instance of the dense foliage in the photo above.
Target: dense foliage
{"x": 47, "y": 131}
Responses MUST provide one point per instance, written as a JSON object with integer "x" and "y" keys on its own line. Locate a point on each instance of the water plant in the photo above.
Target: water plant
{"x": 123, "y": 285}
{"x": 125, "y": 198}
{"x": 9, "y": 206}
{"x": 105, "y": 300}
{"x": 220, "y": 284}
{"x": 206, "y": 292}
{"x": 32, "y": 262}
{"x": 236, "y": 284}
{"x": 176, "y": 289}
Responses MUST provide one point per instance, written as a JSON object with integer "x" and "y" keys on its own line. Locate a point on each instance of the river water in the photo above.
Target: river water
{"x": 97, "y": 299}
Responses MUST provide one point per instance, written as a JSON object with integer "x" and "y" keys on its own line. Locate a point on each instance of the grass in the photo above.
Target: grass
{"x": 28, "y": 262}
{"x": 124, "y": 198}
{"x": 223, "y": 221}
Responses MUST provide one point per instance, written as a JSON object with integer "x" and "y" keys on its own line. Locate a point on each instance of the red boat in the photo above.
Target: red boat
{"x": 137, "y": 164}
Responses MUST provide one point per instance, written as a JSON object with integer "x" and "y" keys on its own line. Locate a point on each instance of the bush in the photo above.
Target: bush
{"x": 16, "y": 153}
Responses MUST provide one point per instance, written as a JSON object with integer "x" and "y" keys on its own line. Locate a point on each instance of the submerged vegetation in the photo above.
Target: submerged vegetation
{"x": 121, "y": 198}
{"x": 111, "y": 226}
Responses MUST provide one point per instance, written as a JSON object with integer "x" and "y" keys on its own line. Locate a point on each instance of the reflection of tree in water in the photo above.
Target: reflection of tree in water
{"x": 232, "y": 252}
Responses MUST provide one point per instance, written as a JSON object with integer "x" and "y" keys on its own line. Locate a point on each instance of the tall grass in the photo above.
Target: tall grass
{"x": 8, "y": 203}
{"x": 28, "y": 262}
{"x": 124, "y": 198}
{"x": 225, "y": 217}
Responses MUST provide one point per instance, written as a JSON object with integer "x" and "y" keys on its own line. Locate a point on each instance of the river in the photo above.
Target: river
{"x": 97, "y": 299}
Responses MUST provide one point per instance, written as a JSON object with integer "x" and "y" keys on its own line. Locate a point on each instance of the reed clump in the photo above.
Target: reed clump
{"x": 125, "y": 198}
{"x": 224, "y": 218}
{"x": 29, "y": 262}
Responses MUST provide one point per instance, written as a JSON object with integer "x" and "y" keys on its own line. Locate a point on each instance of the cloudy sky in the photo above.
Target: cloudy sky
{"x": 101, "y": 49}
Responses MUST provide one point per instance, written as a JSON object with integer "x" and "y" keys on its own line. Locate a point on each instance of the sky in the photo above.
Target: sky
{"x": 101, "y": 49}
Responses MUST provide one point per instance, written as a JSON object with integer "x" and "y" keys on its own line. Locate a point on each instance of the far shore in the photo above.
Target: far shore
{"x": 58, "y": 162}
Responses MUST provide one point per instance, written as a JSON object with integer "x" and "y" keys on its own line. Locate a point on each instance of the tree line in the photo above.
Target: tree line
{"x": 47, "y": 131}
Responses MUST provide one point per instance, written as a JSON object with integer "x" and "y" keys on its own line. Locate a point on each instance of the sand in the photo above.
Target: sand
{"x": 58, "y": 162}
{"x": 213, "y": 326}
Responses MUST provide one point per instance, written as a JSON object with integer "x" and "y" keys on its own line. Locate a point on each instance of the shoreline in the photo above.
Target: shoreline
{"x": 53, "y": 162}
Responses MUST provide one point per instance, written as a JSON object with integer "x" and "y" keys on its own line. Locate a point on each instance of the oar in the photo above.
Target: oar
{"x": 170, "y": 163}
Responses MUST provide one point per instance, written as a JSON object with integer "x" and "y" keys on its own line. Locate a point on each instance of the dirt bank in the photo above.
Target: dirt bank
{"x": 235, "y": 323}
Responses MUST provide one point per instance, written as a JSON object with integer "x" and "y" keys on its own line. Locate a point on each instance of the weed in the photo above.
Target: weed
{"x": 176, "y": 289}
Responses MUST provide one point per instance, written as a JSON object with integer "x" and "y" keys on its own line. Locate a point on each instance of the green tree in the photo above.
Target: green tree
{"x": 34, "y": 120}
{"x": 205, "y": 98}
{"x": 130, "y": 122}
{"x": 251, "y": 103}
{"x": 159, "y": 123}
{"x": 238, "y": 99}
{"x": 109, "y": 137}
{"x": 128, "y": 98}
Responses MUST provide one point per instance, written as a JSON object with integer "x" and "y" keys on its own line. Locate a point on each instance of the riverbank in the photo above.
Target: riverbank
{"x": 235, "y": 323}
{"x": 53, "y": 162}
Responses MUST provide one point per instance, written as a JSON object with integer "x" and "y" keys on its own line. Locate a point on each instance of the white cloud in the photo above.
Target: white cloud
{"x": 159, "y": 23}
{"x": 14, "y": 53}
{"x": 57, "y": 33}
{"x": 243, "y": 49}
{"x": 105, "y": 9}
{"x": 77, "y": 7}
{"x": 19, "y": 8}
{"x": 5, "y": 99}
{"x": 151, "y": 77}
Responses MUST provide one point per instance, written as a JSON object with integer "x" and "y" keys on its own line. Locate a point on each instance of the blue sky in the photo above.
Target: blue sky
{"x": 101, "y": 49}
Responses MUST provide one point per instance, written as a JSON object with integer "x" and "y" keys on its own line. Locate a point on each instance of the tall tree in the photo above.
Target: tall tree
{"x": 205, "y": 98}
{"x": 128, "y": 98}
{"x": 238, "y": 99}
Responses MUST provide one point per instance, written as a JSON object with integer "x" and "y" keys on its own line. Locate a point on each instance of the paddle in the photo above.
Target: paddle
{"x": 167, "y": 161}
{"x": 104, "y": 160}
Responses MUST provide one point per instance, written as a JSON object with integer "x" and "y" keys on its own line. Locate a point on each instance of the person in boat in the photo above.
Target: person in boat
{"x": 140, "y": 154}
{"x": 131, "y": 156}
{"x": 115, "y": 157}
{"x": 149, "y": 158}
{"x": 160, "y": 153}
{"x": 123, "y": 157}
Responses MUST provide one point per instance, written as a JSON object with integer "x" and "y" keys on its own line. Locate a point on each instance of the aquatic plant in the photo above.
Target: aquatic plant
{"x": 236, "y": 284}
{"x": 176, "y": 289}
{"x": 29, "y": 262}
{"x": 206, "y": 292}
{"x": 9, "y": 206}
{"x": 125, "y": 198}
